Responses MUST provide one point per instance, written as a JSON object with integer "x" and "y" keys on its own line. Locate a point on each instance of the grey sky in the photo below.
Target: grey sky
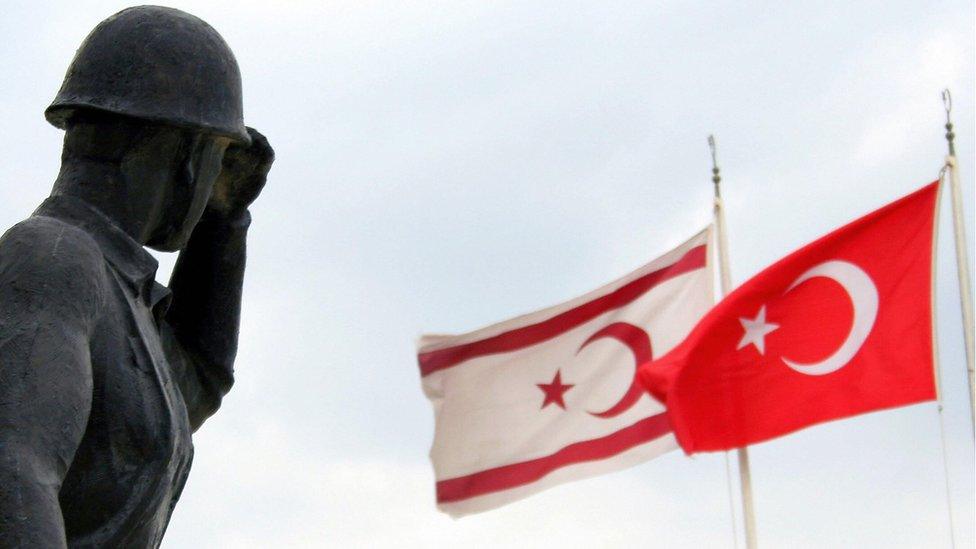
{"x": 445, "y": 165}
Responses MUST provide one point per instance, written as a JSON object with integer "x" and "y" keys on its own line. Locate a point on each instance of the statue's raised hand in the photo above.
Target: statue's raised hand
{"x": 243, "y": 175}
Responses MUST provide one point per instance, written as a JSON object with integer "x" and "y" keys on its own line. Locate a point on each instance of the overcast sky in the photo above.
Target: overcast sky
{"x": 445, "y": 165}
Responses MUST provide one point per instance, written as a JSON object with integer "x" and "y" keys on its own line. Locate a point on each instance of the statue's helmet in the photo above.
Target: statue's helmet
{"x": 157, "y": 64}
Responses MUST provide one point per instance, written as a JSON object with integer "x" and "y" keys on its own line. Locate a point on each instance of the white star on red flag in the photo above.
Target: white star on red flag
{"x": 756, "y": 331}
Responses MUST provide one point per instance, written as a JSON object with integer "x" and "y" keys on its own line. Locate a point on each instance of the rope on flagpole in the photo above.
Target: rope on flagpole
{"x": 728, "y": 485}
{"x": 962, "y": 255}
{"x": 938, "y": 380}
{"x": 945, "y": 470}
{"x": 745, "y": 476}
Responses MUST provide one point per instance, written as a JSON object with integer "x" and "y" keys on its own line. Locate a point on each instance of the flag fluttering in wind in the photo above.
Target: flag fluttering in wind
{"x": 552, "y": 396}
{"x": 842, "y": 326}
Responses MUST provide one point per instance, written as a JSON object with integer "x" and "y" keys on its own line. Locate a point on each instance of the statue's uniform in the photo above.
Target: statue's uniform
{"x": 95, "y": 296}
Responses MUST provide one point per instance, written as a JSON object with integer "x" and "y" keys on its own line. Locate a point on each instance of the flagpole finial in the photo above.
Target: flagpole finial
{"x": 950, "y": 136}
{"x": 716, "y": 178}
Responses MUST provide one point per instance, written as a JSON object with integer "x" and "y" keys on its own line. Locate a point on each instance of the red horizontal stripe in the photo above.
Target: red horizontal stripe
{"x": 526, "y": 472}
{"x": 532, "y": 334}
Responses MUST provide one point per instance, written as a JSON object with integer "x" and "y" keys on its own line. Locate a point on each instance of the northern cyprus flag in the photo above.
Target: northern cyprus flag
{"x": 552, "y": 396}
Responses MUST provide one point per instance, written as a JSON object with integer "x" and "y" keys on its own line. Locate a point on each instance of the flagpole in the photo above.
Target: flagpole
{"x": 962, "y": 256}
{"x": 745, "y": 477}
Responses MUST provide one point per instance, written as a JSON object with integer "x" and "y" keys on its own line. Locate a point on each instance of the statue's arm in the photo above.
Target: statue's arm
{"x": 52, "y": 283}
{"x": 204, "y": 317}
{"x": 201, "y": 327}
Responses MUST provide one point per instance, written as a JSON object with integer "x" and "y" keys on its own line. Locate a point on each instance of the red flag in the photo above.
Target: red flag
{"x": 840, "y": 327}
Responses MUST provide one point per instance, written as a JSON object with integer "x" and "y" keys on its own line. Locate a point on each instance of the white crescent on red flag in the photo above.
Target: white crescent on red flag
{"x": 840, "y": 327}
{"x": 552, "y": 396}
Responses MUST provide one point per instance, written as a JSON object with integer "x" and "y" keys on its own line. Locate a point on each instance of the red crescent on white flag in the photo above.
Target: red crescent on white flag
{"x": 639, "y": 344}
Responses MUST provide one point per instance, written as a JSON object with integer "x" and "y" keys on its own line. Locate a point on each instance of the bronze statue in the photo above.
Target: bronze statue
{"x": 104, "y": 373}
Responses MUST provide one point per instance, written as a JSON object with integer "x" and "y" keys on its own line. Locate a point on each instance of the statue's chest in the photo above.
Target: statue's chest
{"x": 136, "y": 452}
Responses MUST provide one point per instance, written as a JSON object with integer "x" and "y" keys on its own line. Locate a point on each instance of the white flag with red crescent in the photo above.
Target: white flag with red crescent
{"x": 552, "y": 396}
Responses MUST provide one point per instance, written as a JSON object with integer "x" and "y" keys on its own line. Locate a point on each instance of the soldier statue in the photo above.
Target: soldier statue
{"x": 105, "y": 373}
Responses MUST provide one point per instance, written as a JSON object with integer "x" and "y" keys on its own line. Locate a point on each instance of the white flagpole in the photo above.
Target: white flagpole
{"x": 745, "y": 477}
{"x": 962, "y": 256}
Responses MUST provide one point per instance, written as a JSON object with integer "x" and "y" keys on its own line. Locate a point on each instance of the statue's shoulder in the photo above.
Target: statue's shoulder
{"x": 52, "y": 257}
{"x": 51, "y": 240}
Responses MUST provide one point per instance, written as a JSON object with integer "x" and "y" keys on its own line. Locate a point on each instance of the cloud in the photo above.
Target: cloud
{"x": 285, "y": 497}
{"x": 909, "y": 95}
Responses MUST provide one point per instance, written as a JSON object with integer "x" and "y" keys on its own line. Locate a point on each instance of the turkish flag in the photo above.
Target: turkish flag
{"x": 840, "y": 327}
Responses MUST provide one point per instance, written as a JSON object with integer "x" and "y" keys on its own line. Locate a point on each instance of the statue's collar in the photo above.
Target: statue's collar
{"x": 124, "y": 253}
